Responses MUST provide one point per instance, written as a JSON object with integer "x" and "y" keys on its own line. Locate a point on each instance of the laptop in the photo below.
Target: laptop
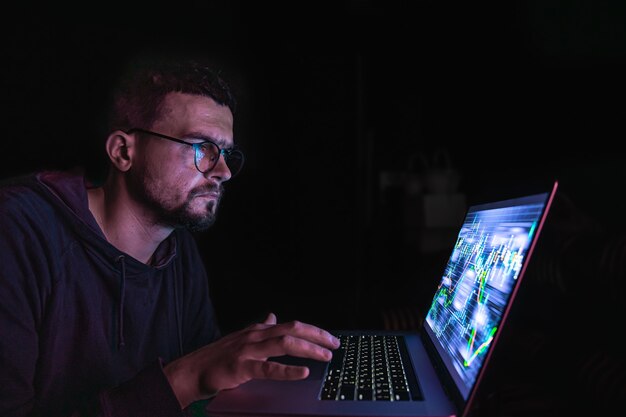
{"x": 437, "y": 370}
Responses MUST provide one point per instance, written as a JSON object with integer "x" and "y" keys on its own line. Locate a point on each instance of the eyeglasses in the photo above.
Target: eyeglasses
{"x": 207, "y": 153}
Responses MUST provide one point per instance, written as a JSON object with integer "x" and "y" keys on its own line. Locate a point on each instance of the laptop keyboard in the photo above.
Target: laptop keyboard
{"x": 370, "y": 368}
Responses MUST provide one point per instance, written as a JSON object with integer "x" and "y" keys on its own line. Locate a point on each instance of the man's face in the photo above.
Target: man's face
{"x": 164, "y": 177}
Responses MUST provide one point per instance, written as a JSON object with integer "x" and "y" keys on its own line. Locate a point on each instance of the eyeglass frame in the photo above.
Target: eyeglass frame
{"x": 196, "y": 148}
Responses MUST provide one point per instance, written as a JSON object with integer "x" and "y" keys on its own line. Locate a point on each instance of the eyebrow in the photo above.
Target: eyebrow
{"x": 203, "y": 137}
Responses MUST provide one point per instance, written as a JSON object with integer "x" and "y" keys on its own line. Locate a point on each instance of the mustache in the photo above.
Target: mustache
{"x": 207, "y": 189}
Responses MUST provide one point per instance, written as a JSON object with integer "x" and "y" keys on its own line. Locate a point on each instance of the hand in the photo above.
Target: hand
{"x": 242, "y": 356}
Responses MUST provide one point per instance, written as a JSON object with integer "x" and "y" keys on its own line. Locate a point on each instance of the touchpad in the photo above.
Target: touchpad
{"x": 316, "y": 368}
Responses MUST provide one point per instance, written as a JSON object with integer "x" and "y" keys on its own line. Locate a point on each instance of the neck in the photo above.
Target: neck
{"x": 127, "y": 225}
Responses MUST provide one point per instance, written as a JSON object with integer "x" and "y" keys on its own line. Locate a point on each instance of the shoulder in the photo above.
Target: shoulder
{"x": 27, "y": 224}
{"x": 30, "y": 221}
{"x": 15, "y": 186}
{"x": 21, "y": 198}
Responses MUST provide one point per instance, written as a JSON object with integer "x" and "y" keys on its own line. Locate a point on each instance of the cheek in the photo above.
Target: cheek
{"x": 174, "y": 184}
{"x": 168, "y": 168}
{"x": 167, "y": 182}
{"x": 179, "y": 168}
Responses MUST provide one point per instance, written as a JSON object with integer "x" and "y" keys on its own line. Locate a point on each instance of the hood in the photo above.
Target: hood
{"x": 68, "y": 192}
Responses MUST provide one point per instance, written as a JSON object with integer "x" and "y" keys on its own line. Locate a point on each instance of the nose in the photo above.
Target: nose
{"x": 220, "y": 171}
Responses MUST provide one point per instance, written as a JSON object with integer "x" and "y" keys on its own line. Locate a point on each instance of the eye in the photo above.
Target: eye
{"x": 209, "y": 151}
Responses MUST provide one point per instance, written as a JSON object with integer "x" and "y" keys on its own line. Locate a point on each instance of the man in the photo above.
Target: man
{"x": 104, "y": 299}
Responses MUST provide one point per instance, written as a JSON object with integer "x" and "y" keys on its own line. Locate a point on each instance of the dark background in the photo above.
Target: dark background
{"x": 332, "y": 98}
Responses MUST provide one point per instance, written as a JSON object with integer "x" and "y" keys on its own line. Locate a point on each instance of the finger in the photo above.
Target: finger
{"x": 276, "y": 371}
{"x": 288, "y": 345}
{"x": 303, "y": 331}
{"x": 270, "y": 319}
{"x": 259, "y": 326}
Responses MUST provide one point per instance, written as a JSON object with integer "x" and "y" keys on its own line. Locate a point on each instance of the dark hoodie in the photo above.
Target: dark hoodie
{"x": 86, "y": 328}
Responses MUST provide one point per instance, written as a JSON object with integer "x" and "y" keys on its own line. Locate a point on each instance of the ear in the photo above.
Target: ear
{"x": 120, "y": 147}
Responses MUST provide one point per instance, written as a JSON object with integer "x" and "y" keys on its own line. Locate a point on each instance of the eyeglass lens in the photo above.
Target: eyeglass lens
{"x": 208, "y": 154}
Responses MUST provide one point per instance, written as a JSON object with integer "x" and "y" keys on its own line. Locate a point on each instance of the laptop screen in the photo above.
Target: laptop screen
{"x": 487, "y": 260}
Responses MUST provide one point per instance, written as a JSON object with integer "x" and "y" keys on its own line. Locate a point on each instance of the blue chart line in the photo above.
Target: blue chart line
{"x": 477, "y": 282}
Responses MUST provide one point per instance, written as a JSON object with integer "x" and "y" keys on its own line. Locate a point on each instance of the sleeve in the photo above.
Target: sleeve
{"x": 24, "y": 287}
{"x": 147, "y": 394}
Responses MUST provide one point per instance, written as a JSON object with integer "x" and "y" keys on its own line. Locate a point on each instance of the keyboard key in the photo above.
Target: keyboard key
{"x": 347, "y": 392}
{"x": 364, "y": 394}
{"x": 370, "y": 368}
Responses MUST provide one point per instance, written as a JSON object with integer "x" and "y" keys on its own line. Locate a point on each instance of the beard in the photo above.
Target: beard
{"x": 181, "y": 215}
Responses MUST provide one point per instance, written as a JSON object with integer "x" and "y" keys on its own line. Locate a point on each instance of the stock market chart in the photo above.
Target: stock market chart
{"x": 478, "y": 280}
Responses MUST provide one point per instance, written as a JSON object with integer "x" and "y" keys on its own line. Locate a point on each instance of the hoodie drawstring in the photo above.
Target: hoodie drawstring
{"x": 120, "y": 327}
{"x": 121, "y": 342}
{"x": 178, "y": 316}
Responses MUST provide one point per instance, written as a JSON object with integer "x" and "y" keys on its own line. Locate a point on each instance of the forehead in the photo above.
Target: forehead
{"x": 182, "y": 114}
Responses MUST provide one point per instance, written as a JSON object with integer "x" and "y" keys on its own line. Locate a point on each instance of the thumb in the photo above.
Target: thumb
{"x": 270, "y": 319}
